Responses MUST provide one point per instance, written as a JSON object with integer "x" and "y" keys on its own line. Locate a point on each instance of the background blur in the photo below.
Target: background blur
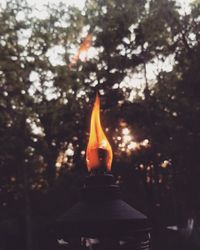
{"x": 143, "y": 57}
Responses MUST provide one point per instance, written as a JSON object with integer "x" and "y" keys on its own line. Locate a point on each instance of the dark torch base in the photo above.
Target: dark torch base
{"x": 102, "y": 214}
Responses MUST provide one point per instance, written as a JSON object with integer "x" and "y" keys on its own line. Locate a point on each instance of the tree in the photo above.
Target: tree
{"x": 45, "y": 100}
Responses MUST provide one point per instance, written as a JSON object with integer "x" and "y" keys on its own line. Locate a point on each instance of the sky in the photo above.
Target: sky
{"x": 40, "y": 3}
{"x": 80, "y": 3}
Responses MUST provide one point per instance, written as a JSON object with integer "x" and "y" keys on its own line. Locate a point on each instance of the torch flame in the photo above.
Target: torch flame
{"x": 98, "y": 142}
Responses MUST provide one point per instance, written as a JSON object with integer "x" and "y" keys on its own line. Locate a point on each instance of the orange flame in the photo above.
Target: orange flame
{"x": 98, "y": 143}
{"x": 85, "y": 45}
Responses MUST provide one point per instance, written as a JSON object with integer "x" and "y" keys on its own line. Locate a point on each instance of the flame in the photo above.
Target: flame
{"x": 98, "y": 143}
{"x": 85, "y": 45}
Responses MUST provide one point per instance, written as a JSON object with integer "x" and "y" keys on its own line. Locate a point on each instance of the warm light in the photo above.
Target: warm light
{"x": 125, "y": 131}
{"x": 165, "y": 164}
{"x": 145, "y": 143}
{"x": 99, "y": 152}
{"x": 82, "y": 51}
{"x": 133, "y": 145}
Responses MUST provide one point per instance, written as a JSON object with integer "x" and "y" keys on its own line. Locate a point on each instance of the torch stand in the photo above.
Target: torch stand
{"x": 102, "y": 214}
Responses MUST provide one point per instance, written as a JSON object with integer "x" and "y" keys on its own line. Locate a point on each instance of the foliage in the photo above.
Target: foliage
{"x": 45, "y": 103}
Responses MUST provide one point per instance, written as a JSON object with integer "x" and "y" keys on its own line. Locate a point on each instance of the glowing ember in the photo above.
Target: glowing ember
{"x": 99, "y": 152}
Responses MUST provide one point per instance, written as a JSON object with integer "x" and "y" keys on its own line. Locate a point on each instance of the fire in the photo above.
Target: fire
{"x": 85, "y": 45}
{"x": 99, "y": 152}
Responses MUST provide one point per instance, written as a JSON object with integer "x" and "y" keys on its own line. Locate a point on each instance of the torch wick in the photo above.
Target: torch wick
{"x": 101, "y": 168}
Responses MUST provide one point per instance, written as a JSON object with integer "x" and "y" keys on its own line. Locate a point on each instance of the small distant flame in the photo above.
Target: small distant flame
{"x": 85, "y": 45}
{"x": 99, "y": 152}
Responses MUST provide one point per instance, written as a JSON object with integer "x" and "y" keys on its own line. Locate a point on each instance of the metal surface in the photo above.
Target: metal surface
{"x": 101, "y": 212}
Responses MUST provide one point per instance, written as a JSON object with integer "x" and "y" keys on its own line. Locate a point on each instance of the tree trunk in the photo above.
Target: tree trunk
{"x": 28, "y": 219}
